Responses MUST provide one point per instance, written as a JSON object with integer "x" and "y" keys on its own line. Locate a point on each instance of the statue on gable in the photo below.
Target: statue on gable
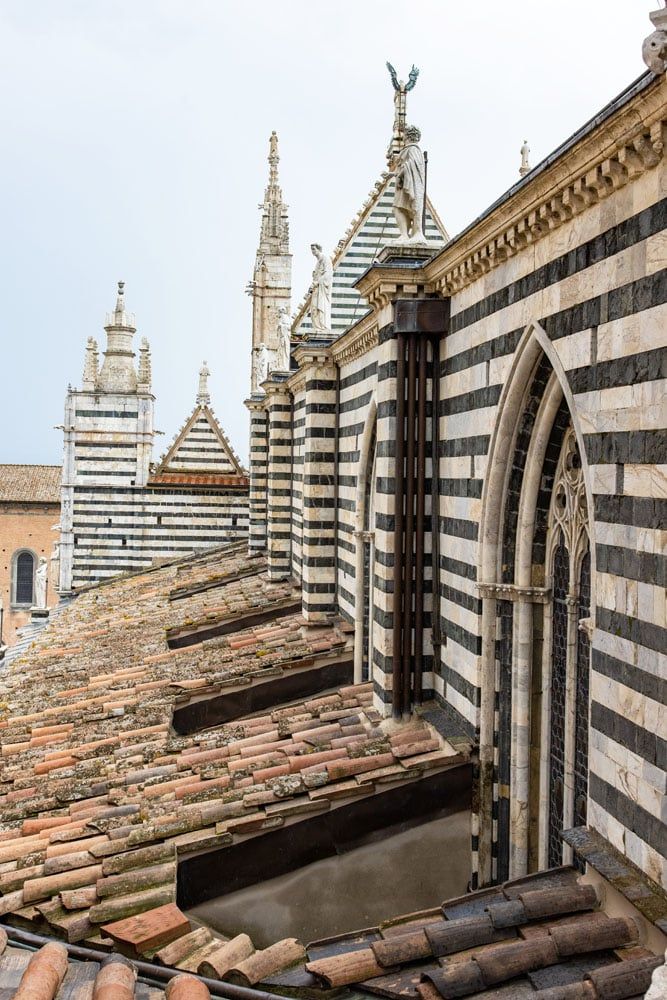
{"x": 320, "y": 299}
{"x": 41, "y": 579}
{"x": 410, "y": 191}
{"x": 284, "y": 337}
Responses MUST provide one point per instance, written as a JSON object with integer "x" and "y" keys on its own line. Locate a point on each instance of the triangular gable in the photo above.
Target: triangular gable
{"x": 372, "y": 228}
{"x": 201, "y": 447}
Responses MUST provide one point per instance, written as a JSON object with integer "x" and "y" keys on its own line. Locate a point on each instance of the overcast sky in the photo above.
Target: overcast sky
{"x": 134, "y": 144}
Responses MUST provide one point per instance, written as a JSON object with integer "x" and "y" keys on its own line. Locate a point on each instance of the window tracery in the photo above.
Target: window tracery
{"x": 568, "y": 651}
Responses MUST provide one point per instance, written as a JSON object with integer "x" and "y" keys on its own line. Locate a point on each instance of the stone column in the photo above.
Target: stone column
{"x": 259, "y": 449}
{"x": 279, "y": 490}
{"x": 318, "y": 572}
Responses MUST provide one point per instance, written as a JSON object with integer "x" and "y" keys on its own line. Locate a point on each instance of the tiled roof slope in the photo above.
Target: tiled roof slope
{"x": 51, "y": 973}
{"x": 99, "y": 798}
{"x": 30, "y": 483}
{"x": 541, "y": 936}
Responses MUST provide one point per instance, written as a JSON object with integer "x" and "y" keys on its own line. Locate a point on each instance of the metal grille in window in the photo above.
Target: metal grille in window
{"x": 365, "y": 669}
{"x": 25, "y": 571}
{"x": 506, "y": 611}
{"x": 582, "y": 696}
{"x": 561, "y": 584}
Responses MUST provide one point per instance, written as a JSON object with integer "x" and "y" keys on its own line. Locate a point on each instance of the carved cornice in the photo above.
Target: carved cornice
{"x": 604, "y": 159}
{"x": 512, "y": 592}
{"x": 359, "y": 340}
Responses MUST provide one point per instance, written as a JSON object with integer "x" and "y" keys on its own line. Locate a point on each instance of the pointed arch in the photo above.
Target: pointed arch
{"x": 535, "y": 408}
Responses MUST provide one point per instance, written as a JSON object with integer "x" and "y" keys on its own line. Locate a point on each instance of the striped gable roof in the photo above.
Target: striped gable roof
{"x": 201, "y": 447}
{"x": 371, "y": 229}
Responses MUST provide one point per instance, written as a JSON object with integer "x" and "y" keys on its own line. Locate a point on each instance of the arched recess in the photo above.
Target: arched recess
{"x": 515, "y": 576}
{"x": 364, "y": 538}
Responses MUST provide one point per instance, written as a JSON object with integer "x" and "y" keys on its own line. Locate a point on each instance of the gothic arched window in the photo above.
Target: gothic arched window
{"x": 23, "y": 578}
{"x": 568, "y": 652}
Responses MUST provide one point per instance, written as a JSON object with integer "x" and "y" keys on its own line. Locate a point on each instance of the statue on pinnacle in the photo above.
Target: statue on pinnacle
{"x": 401, "y": 89}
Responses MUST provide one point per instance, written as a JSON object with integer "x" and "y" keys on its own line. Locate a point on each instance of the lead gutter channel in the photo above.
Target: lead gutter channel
{"x": 154, "y": 975}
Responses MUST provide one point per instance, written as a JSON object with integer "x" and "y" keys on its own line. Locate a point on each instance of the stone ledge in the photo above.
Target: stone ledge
{"x": 645, "y": 895}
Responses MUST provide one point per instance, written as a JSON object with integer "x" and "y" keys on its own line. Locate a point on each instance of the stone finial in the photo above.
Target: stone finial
{"x": 654, "y": 49}
{"x": 525, "y": 167}
{"x": 117, "y": 373}
{"x": 144, "y": 373}
{"x": 203, "y": 395}
{"x": 90, "y": 366}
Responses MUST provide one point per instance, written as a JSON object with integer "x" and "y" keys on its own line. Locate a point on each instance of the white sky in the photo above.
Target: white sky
{"x": 135, "y": 137}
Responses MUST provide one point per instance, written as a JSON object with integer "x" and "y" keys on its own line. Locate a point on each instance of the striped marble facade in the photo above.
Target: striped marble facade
{"x": 118, "y": 513}
{"x": 279, "y": 493}
{"x": 318, "y": 568}
{"x": 557, "y": 311}
{"x": 259, "y": 450}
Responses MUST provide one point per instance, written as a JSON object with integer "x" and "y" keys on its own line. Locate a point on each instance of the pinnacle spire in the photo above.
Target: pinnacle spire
{"x": 117, "y": 373}
{"x": 274, "y": 235}
{"x": 203, "y": 395}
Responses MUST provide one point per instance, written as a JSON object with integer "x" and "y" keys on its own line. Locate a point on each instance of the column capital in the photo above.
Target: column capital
{"x": 307, "y": 355}
{"x": 255, "y": 403}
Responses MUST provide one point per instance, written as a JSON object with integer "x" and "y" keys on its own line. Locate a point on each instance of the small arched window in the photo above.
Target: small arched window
{"x": 23, "y": 578}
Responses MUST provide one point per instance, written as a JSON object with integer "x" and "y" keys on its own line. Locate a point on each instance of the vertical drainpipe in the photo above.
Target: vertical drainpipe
{"x": 416, "y": 322}
{"x": 436, "y": 637}
{"x": 408, "y": 564}
{"x": 420, "y": 519}
{"x": 336, "y": 453}
{"x": 397, "y": 601}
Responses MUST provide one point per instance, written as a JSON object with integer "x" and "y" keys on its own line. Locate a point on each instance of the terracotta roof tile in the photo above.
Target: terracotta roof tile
{"x": 30, "y": 484}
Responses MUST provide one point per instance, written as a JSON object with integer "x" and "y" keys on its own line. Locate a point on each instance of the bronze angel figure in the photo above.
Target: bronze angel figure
{"x": 412, "y": 78}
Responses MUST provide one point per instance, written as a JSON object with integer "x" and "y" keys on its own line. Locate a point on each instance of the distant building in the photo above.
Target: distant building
{"x": 120, "y": 512}
{"x": 29, "y": 511}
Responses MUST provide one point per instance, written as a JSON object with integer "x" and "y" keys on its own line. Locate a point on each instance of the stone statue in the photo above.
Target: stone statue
{"x": 41, "y": 577}
{"x": 55, "y": 557}
{"x": 654, "y": 49}
{"x": 284, "y": 336}
{"x": 525, "y": 165}
{"x": 320, "y": 300}
{"x": 260, "y": 367}
{"x": 410, "y": 193}
{"x": 203, "y": 395}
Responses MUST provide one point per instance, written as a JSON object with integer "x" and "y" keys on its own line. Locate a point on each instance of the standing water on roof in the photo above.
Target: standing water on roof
{"x": 411, "y": 870}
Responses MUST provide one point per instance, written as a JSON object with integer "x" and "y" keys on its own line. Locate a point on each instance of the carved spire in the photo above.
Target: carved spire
{"x": 203, "y": 395}
{"x": 90, "y": 366}
{"x": 144, "y": 374}
{"x": 274, "y": 235}
{"x": 117, "y": 373}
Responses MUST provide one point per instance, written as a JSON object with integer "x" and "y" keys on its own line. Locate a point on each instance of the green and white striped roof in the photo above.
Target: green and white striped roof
{"x": 372, "y": 228}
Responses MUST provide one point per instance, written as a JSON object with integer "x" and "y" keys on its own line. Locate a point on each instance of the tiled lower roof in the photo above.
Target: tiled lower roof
{"x": 50, "y": 972}
{"x": 30, "y": 483}
{"x": 99, "y": 798}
